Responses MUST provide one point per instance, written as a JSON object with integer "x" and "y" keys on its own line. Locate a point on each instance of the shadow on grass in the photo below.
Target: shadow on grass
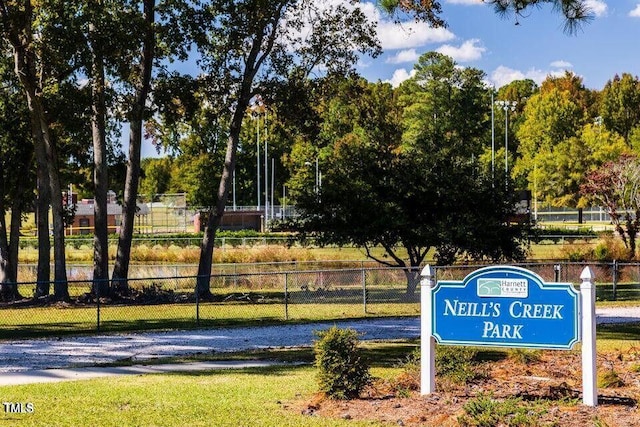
{"x": 277, "y": 370}
{"x": 385, "y": 354}
{"x": 47, "y": 330}
{"x": 619, "y": 331}
{"x": 80, "y": 328}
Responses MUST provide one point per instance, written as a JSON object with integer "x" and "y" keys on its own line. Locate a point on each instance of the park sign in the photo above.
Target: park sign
{"x": 508, "y": 306}
{"x": 505, "y": 306}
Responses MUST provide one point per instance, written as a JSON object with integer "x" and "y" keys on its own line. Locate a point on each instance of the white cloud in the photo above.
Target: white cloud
{"x": 635, "y": 13}
{"x": 408, "y": 55}
{"x": 403, "y": 35}
{"x": 505, "y": 75}
{"x": 410, "y": 34}
{"x": 561, "y": 64}
{"x": 399, "y": 76}
{"x": 598, "y": 7}
{"x": 468, "y": 51}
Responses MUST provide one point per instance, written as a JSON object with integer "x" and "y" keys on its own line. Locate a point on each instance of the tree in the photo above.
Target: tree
{"x": 519, "y": 91}
{"x": 400, "y": 172}
{"x": 560, "y": 173}
{"x": 19, "y": 30}
{"x": 616, "y": 186}
{"x": 244, "y": 44}
{"x": 619, "y": 103}
{"x": 16, "y": 175}
{"x": 160, "y": 33}
{"x": 572, "y": 85}
{"x": 550, "y": 119}
{"x": 156, "y": 176}
{"x": 139, "y": 81}
{"x": 575, "y": 12}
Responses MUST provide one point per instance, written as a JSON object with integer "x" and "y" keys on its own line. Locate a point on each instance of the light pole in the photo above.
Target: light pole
{"x": 266, "y": 171}
{"x": 318, "y": 177}
{"x": 258, "y": 108}
{"x": 493, "y": 140}
{"x": 506, "y": 106}
{"x": 255, "y": 113}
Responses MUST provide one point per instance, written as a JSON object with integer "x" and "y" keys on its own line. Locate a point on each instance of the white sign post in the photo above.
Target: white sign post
{"x": 589, "y": 375}
{"x": 454, "y": 313}
{"x": 427, "y": 341}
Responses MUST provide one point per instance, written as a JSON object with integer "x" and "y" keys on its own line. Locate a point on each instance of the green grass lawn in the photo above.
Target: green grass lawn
{"x": 250, "y": 397}
{"x": 239, "y": 398}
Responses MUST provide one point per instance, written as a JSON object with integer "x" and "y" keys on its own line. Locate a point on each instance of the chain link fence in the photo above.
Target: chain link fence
{"x": 258, "y": 295}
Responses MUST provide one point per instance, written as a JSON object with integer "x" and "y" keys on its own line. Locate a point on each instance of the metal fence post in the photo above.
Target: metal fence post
{"x": 98, "y": 307}
{"x": 286, "y": 296}
{"x": 364, "y": 290}
{"x": 197, "y": 304}
{"x": 615, "y": 279}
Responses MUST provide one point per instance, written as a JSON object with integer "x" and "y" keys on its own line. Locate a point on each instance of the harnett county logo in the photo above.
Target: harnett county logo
{"x": 503, "y": 288}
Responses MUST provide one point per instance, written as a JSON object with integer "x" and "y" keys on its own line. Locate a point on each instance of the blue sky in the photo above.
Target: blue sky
{"x": 536, "y": 47}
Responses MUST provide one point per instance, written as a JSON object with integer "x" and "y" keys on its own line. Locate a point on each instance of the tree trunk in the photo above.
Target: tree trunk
{"x": 43, "y": 285}
{"x": 19, "y": 31}
{"x": 121, "y": 265}
{"x": 14, "y": 228}
{"x": 203, "y": 286}
{"x": 413, "y": 280}
{"x": 257, "y": 54}
{"x": 8, "y": 287}
{"x": 100, "y": 177}
{"x": 632, "y": 231}
{"x": 43, "y": 136}
{"x": 129, "y": 207}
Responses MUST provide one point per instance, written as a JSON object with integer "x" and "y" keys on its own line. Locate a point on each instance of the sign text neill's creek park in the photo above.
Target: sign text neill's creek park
{"x": 506, "y": 306}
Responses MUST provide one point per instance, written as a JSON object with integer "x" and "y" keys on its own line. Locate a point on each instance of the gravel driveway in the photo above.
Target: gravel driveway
{"x": 38, "y": 354}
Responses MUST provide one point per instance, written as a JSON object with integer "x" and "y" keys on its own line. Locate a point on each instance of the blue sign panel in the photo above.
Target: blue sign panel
{"x": 506, "y": 306}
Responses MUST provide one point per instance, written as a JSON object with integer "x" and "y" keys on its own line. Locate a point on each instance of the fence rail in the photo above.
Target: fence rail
{"x": 262, "y": 294}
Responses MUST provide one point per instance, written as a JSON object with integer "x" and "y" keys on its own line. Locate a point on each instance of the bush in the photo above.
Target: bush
{"x": 409, "y": 379}
{"x": 458, "y": 365}
{"x": 485, "y": 411}
{"x": 455, "y": 366}
{"x": 342, "y": 373}
{"x": 609, "y": 379}
{"x": 524, "y": 356}
{"x": 609, "y": 249}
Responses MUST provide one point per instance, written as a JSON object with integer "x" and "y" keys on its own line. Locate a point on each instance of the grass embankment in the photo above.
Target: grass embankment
{"x": 251, "y": 397}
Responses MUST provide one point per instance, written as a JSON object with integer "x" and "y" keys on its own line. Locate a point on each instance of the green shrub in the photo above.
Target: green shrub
{"x": 457, "y": 364}
{"x": 609, "y": 249}
{"x": 577, "y": 253}
{"x": 409, "y": 378}
{"x": 342, "y": 373}
{"x": 609, "y": 379}
{"x": 485, "y": 411}
{"x": 454, "y": 365}
{"x": 524, "y": 356}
